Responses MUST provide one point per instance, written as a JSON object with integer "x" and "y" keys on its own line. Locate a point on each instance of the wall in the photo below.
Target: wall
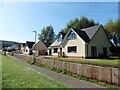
{"x": 105, "y": 74}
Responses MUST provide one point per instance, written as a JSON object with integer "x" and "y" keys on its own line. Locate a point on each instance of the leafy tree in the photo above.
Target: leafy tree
{"x": 47, "y": 35}
{"x": 111, "y": 27}
{"x": 79, "y": 24}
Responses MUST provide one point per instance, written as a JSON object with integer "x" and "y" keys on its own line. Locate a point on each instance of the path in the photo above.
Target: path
{"x": 61, "y": 77}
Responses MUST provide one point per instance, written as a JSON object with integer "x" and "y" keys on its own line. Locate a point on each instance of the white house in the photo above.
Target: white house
{"x": 56, "y": 46}
{"x": 27, "y": 49}
{"x": 84, "y": 43}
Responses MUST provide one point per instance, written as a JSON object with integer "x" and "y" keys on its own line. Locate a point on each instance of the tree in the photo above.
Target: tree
{"x": 111, "y": 27}
{"x": 79, "y": 24}
{"x": 47, "y": 35}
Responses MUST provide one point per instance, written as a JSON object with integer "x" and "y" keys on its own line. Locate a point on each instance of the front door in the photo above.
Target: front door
{"x": 60, "y": 49}
{"x": 93, "y": 51}
{"x": 50, "y": 51}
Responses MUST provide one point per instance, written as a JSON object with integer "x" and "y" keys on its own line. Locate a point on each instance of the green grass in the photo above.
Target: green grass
{"x": 113, "y": 87}
{"x": 16, "y": 75}
{"x": 99, "y": 62}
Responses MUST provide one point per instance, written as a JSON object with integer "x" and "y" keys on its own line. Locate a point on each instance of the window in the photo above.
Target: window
{"x": 26, "y": 50}
{"x": 93, "y": 51}
{"x": 55, "y": 50}
{"x": 72, "y": 49}
{"x": 72, "y": 36}
{"x": 105, "y": 51}
{"x": 59, "y": 39}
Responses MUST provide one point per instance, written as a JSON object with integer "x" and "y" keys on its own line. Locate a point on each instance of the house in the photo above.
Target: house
{"x": 12, "y": 48}
{"x": 27, "y": 49}
{"x": 83, "y": 43}
{"x": 56, "y": 46}
{"x": 39, "y": 48}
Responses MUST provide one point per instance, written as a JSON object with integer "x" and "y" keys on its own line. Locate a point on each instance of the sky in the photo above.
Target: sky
{"x": 18, "y": 20}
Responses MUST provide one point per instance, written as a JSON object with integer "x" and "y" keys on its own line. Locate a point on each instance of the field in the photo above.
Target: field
{"x": 16, "y": 75}
{"x": 99, "y": 62}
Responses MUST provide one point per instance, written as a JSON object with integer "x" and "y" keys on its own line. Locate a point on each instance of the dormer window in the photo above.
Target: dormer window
{"x": 72, "y": 36}
{"x": 59, "y": 39}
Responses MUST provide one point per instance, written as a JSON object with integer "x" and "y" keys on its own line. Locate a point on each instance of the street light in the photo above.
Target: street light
{"x": 35, "y": 35}
{"x": 34, "y": 59}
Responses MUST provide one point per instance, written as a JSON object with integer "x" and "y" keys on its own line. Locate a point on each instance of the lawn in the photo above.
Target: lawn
{"x": 16, "y": 75}
{"x": 99, "y": 62}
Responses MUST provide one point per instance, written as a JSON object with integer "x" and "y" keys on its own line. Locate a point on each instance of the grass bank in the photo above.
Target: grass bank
{"x": 113, "y": 87}
{"x": 16, "y": 75}
{"x": 99, "y": 62}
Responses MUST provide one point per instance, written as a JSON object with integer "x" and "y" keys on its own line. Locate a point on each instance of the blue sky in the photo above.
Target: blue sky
{"x": 18, "y": 20}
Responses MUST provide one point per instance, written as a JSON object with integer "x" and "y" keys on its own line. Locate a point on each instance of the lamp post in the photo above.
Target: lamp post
{"x": 35, "y": 35}
{"x": 34, "y": 59}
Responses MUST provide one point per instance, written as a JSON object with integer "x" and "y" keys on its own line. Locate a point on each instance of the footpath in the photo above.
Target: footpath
{"x": 61, "y": 77}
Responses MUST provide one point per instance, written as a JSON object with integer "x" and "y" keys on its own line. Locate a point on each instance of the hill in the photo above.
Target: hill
{"x": 4, "y": 43}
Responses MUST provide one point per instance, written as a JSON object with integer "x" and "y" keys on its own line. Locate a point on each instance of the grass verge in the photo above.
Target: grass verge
{"x": 99, "y": 62}
{"x": 17, "y": 75}
{"x": 113, "y": 87}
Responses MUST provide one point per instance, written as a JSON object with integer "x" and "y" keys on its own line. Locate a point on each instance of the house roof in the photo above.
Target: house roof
{"x": 23, "y": 44}
{"x": 87, "y": 33}
{"x": 29, "y": 44}
{"x": 91, "y": 30}
{"x": 39, "y": 46}
{"x": 56, "y": 43}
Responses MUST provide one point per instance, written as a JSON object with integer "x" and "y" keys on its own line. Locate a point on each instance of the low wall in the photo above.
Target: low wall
{"x": 105, "y": 74}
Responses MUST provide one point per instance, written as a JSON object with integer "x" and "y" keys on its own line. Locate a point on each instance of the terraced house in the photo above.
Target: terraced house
{"x": 83, "y": 43}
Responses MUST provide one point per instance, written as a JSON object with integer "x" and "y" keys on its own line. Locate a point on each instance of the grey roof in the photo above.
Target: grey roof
{"x": 55, "y": 43}
{"x": 87, "y": 33}
{"x": 91, "y": 30}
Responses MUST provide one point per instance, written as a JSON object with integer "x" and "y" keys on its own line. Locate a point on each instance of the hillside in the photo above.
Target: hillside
{"x": 4, "y": 43}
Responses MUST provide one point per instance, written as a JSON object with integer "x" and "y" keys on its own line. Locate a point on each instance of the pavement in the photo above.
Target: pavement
{"x": 61, "y": 77}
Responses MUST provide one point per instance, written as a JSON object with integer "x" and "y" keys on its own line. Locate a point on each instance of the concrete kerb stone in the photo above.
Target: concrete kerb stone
{"x": 64, "y": 66}
{"x": 88, "y": 71}
{"x": 103, "y": 74}
{"x": 38, "y": 60}
{"x": 82, "y": 70}
{"x": 116, "y": 76}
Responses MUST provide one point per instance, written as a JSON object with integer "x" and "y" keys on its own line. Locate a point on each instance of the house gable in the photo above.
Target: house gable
{"x": 68, "y": 33}
{"x": 99, "y": 40}
{"x": 77, "y": 45}
{"x": 39, "y": 46}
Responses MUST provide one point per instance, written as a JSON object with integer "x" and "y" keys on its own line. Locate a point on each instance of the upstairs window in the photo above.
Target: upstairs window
{"x": 59, "y": 39}
{"x": 72, "y": 36}
{"x": 72, "y": 49}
